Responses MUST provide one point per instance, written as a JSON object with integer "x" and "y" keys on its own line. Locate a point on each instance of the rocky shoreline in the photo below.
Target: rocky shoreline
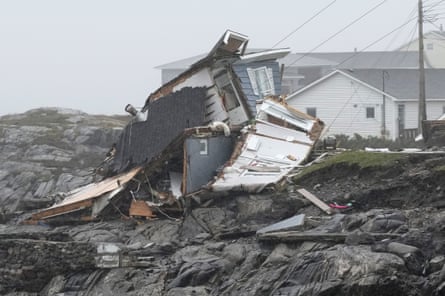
{"x": 213, "y": 248}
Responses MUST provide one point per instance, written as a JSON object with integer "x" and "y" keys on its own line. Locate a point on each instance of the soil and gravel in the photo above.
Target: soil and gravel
{"x": 213, "y": 249}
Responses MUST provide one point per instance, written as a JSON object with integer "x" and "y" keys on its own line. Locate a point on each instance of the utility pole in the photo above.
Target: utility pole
{"x": 422, "y": 105}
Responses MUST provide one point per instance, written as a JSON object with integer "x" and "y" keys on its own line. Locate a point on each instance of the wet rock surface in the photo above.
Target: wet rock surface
{"x": 213, "y": 249}
{"x": 50, "y": 150}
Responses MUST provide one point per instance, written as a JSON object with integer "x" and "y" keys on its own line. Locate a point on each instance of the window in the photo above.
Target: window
{"x": 261, "y": 80}
{"x": 227, "y": 91}
{"x": 430, "y": 46}
{"x": 370, "y": 112}
{"x": 204, "y": 147}
{"x": 312, "y": 111}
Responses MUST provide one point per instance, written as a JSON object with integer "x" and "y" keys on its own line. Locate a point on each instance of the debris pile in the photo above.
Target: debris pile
{"x": 219, "y": 126}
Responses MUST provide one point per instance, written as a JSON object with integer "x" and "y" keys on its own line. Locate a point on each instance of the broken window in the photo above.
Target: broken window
{"x": 230, "y": 98}
{"x": 370, "y": 112}
{"x": 262, "y": 81}
{"x": 312, "y": 111}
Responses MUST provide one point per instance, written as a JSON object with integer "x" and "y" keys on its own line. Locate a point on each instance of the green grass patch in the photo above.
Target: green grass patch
{"x": 439, "y": 168}
{"x": 359, "y": 159}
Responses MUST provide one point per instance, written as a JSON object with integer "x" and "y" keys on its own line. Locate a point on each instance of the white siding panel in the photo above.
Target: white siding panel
{"x": 411, "y": 115}
{"x": 434, "y": 110}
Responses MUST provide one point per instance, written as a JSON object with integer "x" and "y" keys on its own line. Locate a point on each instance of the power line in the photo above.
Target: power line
{"x": 303, "y": 24}
{"x": 340, "y": 31}
{"x": 410, "y": 15}
{"x": 377, "y": 41}
{"x": 428, "y": 8}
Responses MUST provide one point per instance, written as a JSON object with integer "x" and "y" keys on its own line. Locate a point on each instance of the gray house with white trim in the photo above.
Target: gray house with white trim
{"x": 371, "y": 102}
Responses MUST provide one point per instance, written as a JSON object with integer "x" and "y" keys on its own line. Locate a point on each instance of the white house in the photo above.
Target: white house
{"x": 434, "y": 48}
{"x": 371, "y": 102}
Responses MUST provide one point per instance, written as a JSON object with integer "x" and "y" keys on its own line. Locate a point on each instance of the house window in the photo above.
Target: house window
{"x": 430, "y": 46}
{"x": 204, "y": 147}
{"x": 261, "y": 80}
{"x": 370, "y": 112}
{"x": 312, "y": 111}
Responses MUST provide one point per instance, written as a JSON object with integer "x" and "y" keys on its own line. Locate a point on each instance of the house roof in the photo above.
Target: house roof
{"x": 400, "y": 84}
{"x": 181, "y": 64}
{"x": 440, "y": 34}
{"x": 140, "y": 142}
{"x": 354, "y": 60}
{"x": 437, "y": 35}
{"x": 404, "y": 83}
{"x": 345, "y": 60}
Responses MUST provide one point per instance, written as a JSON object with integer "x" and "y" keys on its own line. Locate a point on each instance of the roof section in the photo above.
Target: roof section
{"x": 141, "y": 141}
{"x": 352, "y": 60}
{"x": 181, "y": 64}
{"x": 438, "y": 35}
{"x": 270, "y": 54}
{"x": 355, "y": 60}
{"x": 400, "y": 84}
{"x": 404, "y": 83}
{"x": 188, "y": 62}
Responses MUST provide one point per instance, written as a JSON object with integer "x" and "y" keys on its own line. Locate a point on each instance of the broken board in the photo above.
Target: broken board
{"x": 139, "y": 208}
{"x": 315, "y": 200}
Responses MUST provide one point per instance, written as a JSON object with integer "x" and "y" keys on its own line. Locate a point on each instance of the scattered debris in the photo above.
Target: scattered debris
{"x": 95, "y": 196}
{"x": 218, "y": 126}
{"x": 433, "y": 128}
{"x": 290, "y": 223}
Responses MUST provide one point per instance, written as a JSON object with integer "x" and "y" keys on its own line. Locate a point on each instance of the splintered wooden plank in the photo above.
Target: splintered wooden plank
{"x": 315, "y": 200}
{"x": 52, "y": 212}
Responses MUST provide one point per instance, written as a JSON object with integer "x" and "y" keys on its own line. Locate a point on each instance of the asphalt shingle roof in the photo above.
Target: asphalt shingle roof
{"x": 354, "y": 60}
{"x": 403, "y": 83}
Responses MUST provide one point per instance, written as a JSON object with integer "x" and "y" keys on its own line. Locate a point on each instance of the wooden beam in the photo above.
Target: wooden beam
{"x": 312, "y": 198}
{"x": 51, "y": 212}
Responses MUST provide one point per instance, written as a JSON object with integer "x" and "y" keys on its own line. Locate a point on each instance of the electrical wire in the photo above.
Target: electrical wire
{"x": 340, "y": 31}
{"x": 410, "y": 16}
{"x": 376, "y": 41}
{"x": 303, "y": 24}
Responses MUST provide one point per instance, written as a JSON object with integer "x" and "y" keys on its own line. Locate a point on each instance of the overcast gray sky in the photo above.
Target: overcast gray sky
{"x": 99, "y": 55}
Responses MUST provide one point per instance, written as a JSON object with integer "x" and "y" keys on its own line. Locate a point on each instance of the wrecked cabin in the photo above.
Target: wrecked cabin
{"x": 218, "y": 126}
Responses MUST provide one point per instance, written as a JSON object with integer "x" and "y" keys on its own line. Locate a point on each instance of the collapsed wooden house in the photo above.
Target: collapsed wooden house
{"x": 219, "y": 126}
